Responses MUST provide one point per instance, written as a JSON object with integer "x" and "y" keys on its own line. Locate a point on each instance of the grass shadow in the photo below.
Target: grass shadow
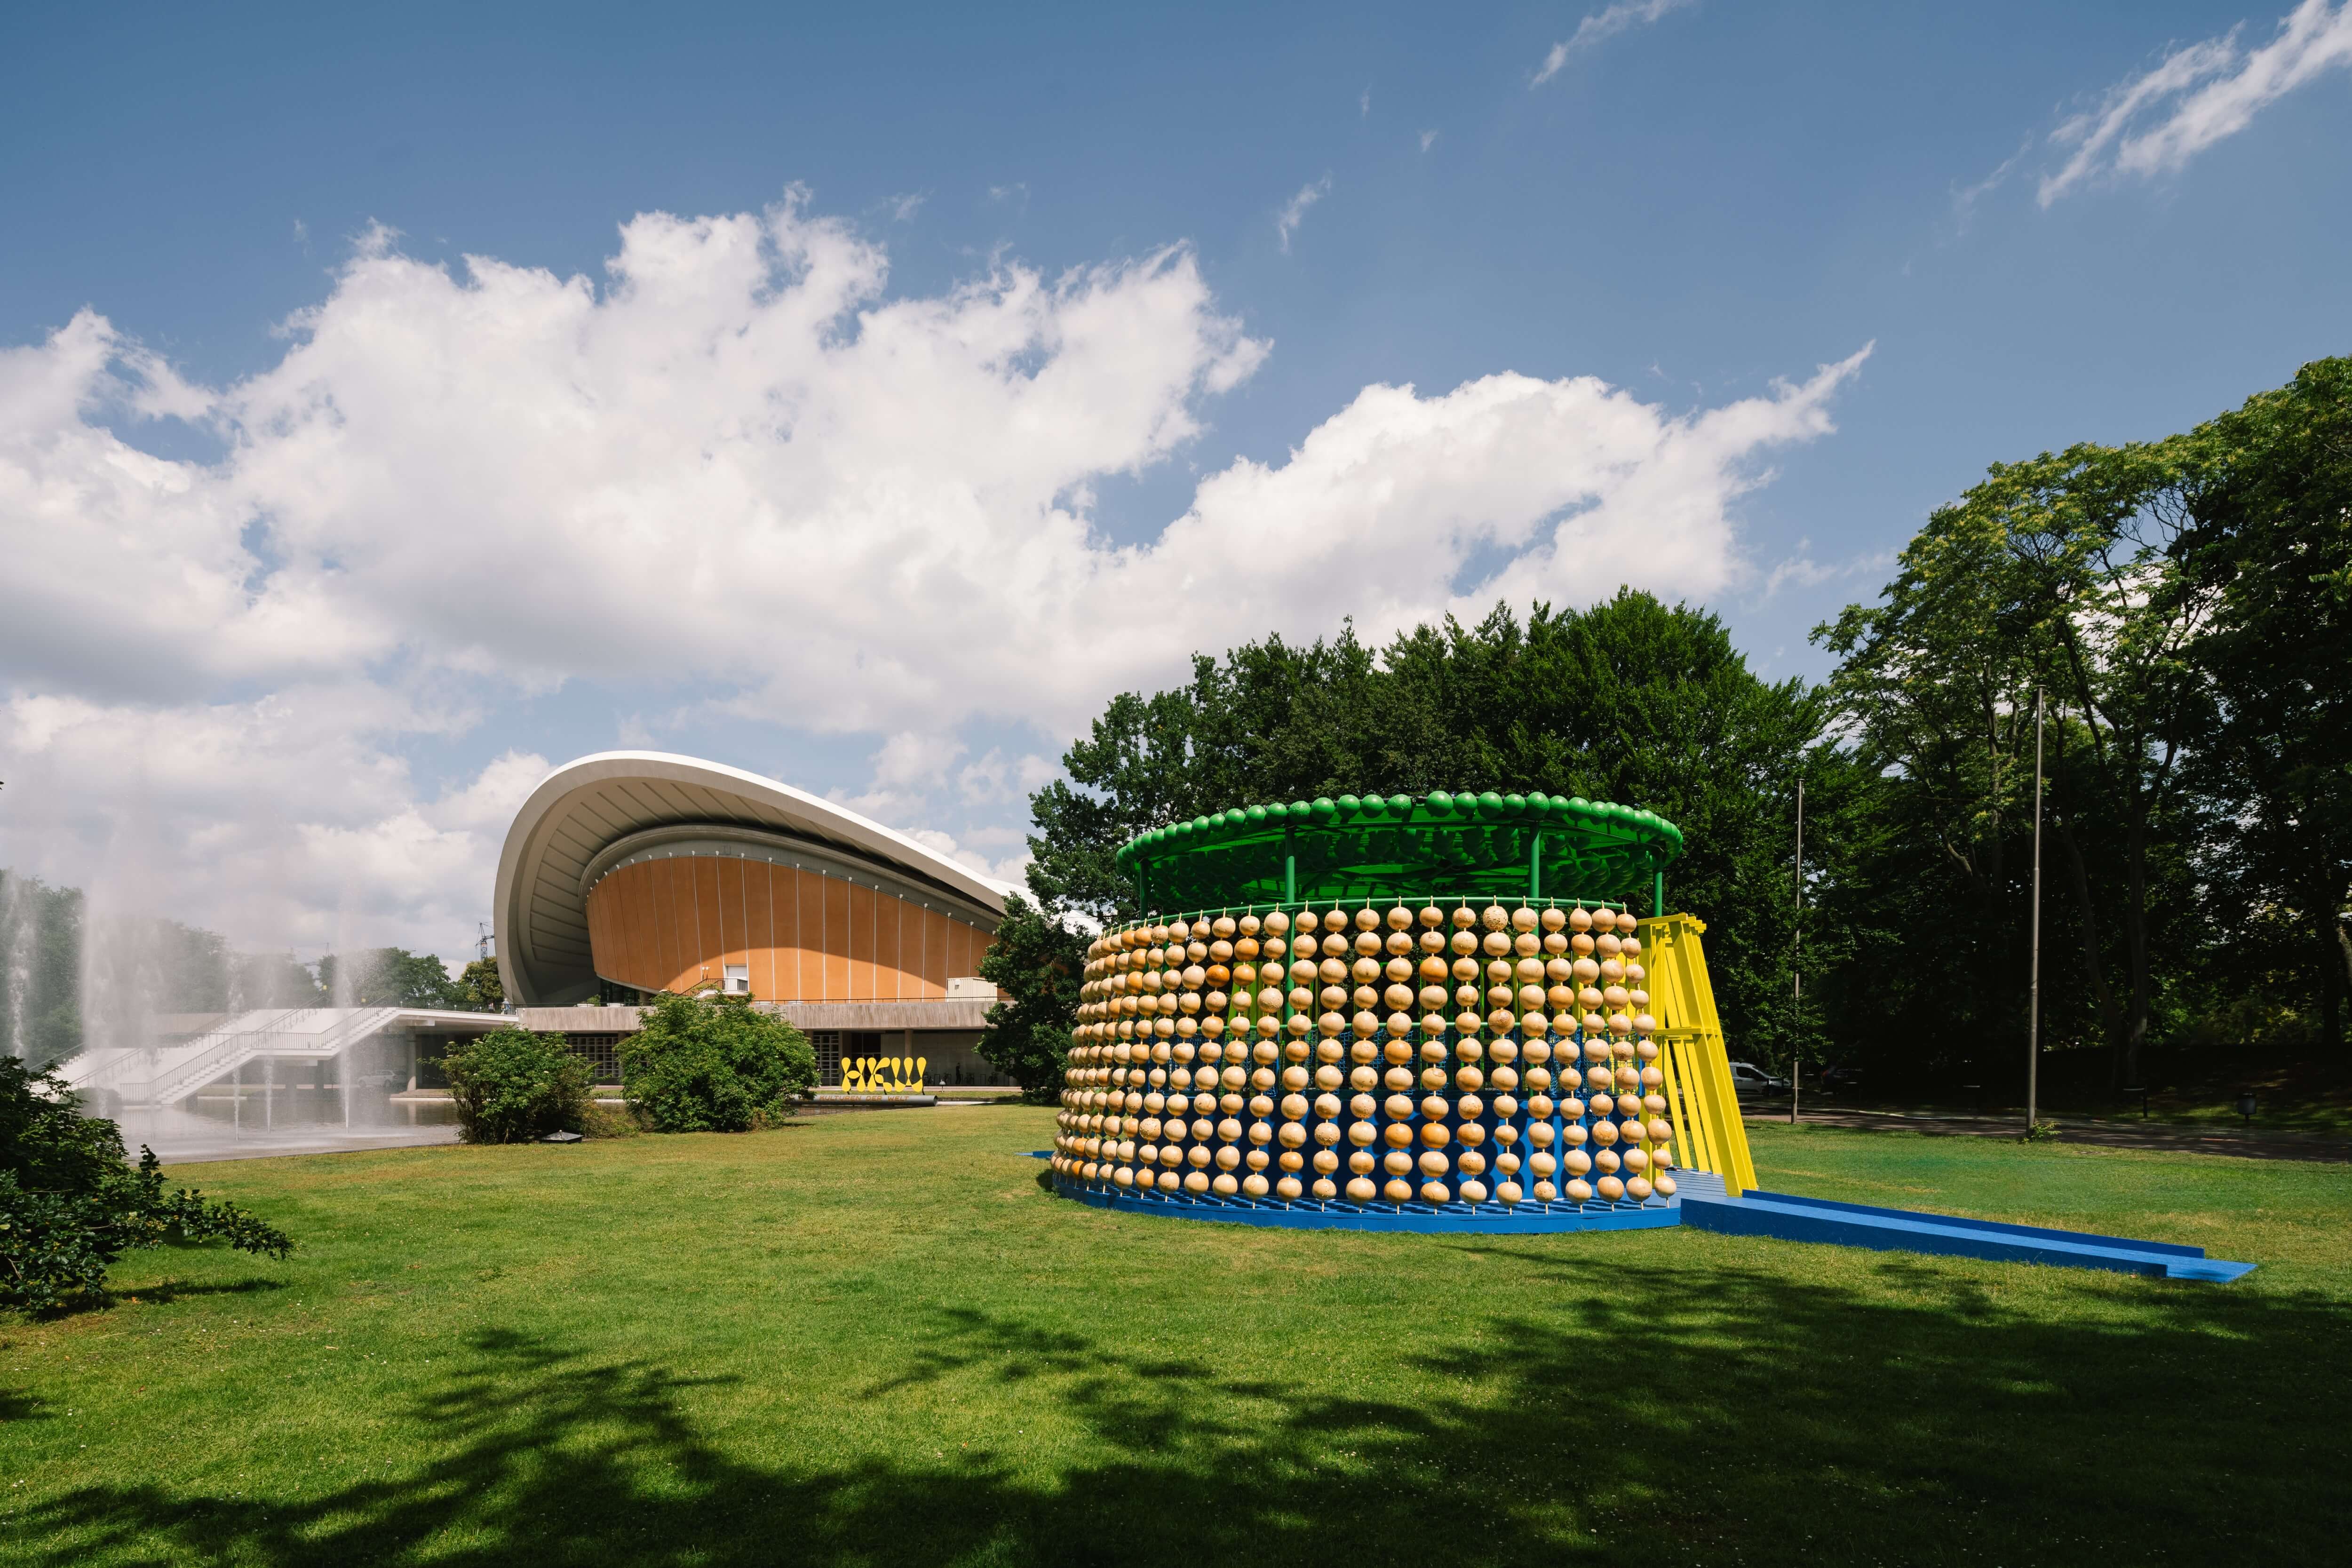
{"x": 158, "y": 1295}
{"x": 17, "y": 1406}
{"x": 1689, "y": 1413}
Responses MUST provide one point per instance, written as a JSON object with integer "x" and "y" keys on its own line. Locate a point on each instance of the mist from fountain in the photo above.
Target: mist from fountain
{"x": 19, "y": 936}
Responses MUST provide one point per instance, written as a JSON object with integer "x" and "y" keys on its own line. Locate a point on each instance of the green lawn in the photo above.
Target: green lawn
{"x": 875, "y": 1338}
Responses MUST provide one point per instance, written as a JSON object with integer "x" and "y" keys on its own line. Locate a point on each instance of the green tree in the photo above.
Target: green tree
{"x": 512, "y": 1086}
{"x": 479, "y": 988}
{"x": 1632, "y": 699}
{"x": 40, "y": 988}
{"x": 273, "y": 980}
{"x": 2272, "y": 539}
{"x": 70, "y": 1207}
{"x": 388, "y": 977}
{"x": 1041, "y": 962}
{"x": 2057, "y": 573}
{"x": 715, "y": 1064}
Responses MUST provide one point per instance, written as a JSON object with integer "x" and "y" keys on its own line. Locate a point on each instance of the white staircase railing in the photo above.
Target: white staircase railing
{"x": 172, "y": 1072}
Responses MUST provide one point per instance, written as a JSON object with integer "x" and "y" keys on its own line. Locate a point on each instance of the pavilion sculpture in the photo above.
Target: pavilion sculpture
{"x": 1425, "y": 1012}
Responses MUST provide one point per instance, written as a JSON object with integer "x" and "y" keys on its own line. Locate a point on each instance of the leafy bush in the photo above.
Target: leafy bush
{"x": 606, "y": 1122}
{"x": 512, "y": 1086}
{"x": 70, "y": 1207}
{"x": 715, "y": 1064}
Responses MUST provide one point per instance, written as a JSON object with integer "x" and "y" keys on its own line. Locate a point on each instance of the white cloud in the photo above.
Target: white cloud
{"x": 738, "y": 468}
{"x": 283, "y": 821}
{"x": 1428, "y": 140}
{"x": 1800, "y": 570}
{"x": 1010, "y": 867}
{"x": 1599, "y": 28}
{"x": 1966, "y": 197}
{"x": 997, "y": 779}
{"x": 2197, "y": 96}
{"x": 1364, "y": 104}
{"x": 1294, "y": 211}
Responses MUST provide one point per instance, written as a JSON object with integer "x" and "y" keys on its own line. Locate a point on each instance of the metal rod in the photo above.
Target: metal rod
{"x": 1797, "y": 968}
{"x": 2034, "y": 988}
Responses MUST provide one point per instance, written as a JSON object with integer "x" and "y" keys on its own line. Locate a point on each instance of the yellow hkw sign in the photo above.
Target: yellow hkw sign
{"x": 883, "y": 1075}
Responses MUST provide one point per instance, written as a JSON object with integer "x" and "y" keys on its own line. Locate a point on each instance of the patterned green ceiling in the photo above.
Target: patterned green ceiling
{"x": 1441, "y": 845}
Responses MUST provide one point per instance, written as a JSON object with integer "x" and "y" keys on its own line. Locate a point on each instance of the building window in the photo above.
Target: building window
{"x": 827, "y": 1043}
{"x": 739, "y": 979}
{"x": 600, "y": 1052}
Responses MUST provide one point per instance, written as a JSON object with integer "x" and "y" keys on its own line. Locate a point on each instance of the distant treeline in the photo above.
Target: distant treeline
{"x": 2185, "y": 608}
{"x": 175, "y": 968}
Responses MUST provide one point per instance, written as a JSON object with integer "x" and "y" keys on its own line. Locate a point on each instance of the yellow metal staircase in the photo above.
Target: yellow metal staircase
{"x": 1708, "y": 1133}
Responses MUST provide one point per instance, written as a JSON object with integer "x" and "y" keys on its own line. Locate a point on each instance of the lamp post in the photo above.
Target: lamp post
{"x": 1797, "y": 969}
{"x": 2033, "y": 989}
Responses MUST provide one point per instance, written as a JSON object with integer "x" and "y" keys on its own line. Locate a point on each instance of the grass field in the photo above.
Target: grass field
{"x": 875, "y": 1338}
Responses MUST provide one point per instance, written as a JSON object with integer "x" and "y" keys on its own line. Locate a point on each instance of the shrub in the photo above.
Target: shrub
{"x": 607, "y": 1122}
{"x": 70, "y": 1207}
{"x": 512, "y": 1086}
{"x": 715, "y": 1064}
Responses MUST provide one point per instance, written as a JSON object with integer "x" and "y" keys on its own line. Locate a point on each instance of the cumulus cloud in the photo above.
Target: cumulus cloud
{"x": 1294, "y": 211}
{"x": 282, "y": 820}
{"x": 2199, "y": 95}
{"x": 740, "y": 475}
{"x": 1599, "y": 28}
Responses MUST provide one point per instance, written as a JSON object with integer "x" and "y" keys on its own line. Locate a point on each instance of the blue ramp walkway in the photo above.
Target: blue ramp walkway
{"x": 1793, "y": 1218}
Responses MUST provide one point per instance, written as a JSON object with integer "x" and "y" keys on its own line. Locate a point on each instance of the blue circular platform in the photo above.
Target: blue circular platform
{"x": 1530, "y": 1218}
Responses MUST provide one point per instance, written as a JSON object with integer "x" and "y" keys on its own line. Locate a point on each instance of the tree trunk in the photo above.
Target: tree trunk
{"x": 2335, "y": 991}
{"x": 2135, "y": 1021}
{"x": 2094, "y": 971}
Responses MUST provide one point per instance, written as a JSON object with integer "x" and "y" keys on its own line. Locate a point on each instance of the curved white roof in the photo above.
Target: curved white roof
{"x": 566, "y": 832}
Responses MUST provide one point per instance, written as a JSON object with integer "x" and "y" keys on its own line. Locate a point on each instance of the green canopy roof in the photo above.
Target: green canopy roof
{"x": 1439, "y": 846}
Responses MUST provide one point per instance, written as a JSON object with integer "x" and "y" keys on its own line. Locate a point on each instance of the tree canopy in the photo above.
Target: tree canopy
{"x": 1633, "y": 700}
{"x": 2180, "y": 605}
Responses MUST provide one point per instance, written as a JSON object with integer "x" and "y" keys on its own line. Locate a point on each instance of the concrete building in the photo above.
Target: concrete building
{"x": 626, "y": 873}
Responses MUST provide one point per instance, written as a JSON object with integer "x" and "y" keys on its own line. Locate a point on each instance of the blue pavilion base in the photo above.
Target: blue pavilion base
{"x": 1793, "y": 1218}
{"x": 1703, "y": 1205}
{"x": 1307, "y": 1213}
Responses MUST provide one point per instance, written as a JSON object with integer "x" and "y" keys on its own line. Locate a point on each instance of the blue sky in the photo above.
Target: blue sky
{"x": 1700, "y": 203}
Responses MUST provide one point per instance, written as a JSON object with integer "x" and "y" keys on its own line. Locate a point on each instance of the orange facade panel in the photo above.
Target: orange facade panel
{"x": 674, "y": 923}
{"x": 835, "y": 938}
{"x": 760, "y": 903}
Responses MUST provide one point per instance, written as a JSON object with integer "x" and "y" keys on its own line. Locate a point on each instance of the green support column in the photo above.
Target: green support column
{"x": 1535, "y": 869}
{"x": 1658, "y": 895}
{"x": 1289, "y": 867}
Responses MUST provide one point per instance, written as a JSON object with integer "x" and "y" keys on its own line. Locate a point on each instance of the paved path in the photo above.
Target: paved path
{"x": 198, "y": 1149}
{"x": 2106, "y": 1134}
